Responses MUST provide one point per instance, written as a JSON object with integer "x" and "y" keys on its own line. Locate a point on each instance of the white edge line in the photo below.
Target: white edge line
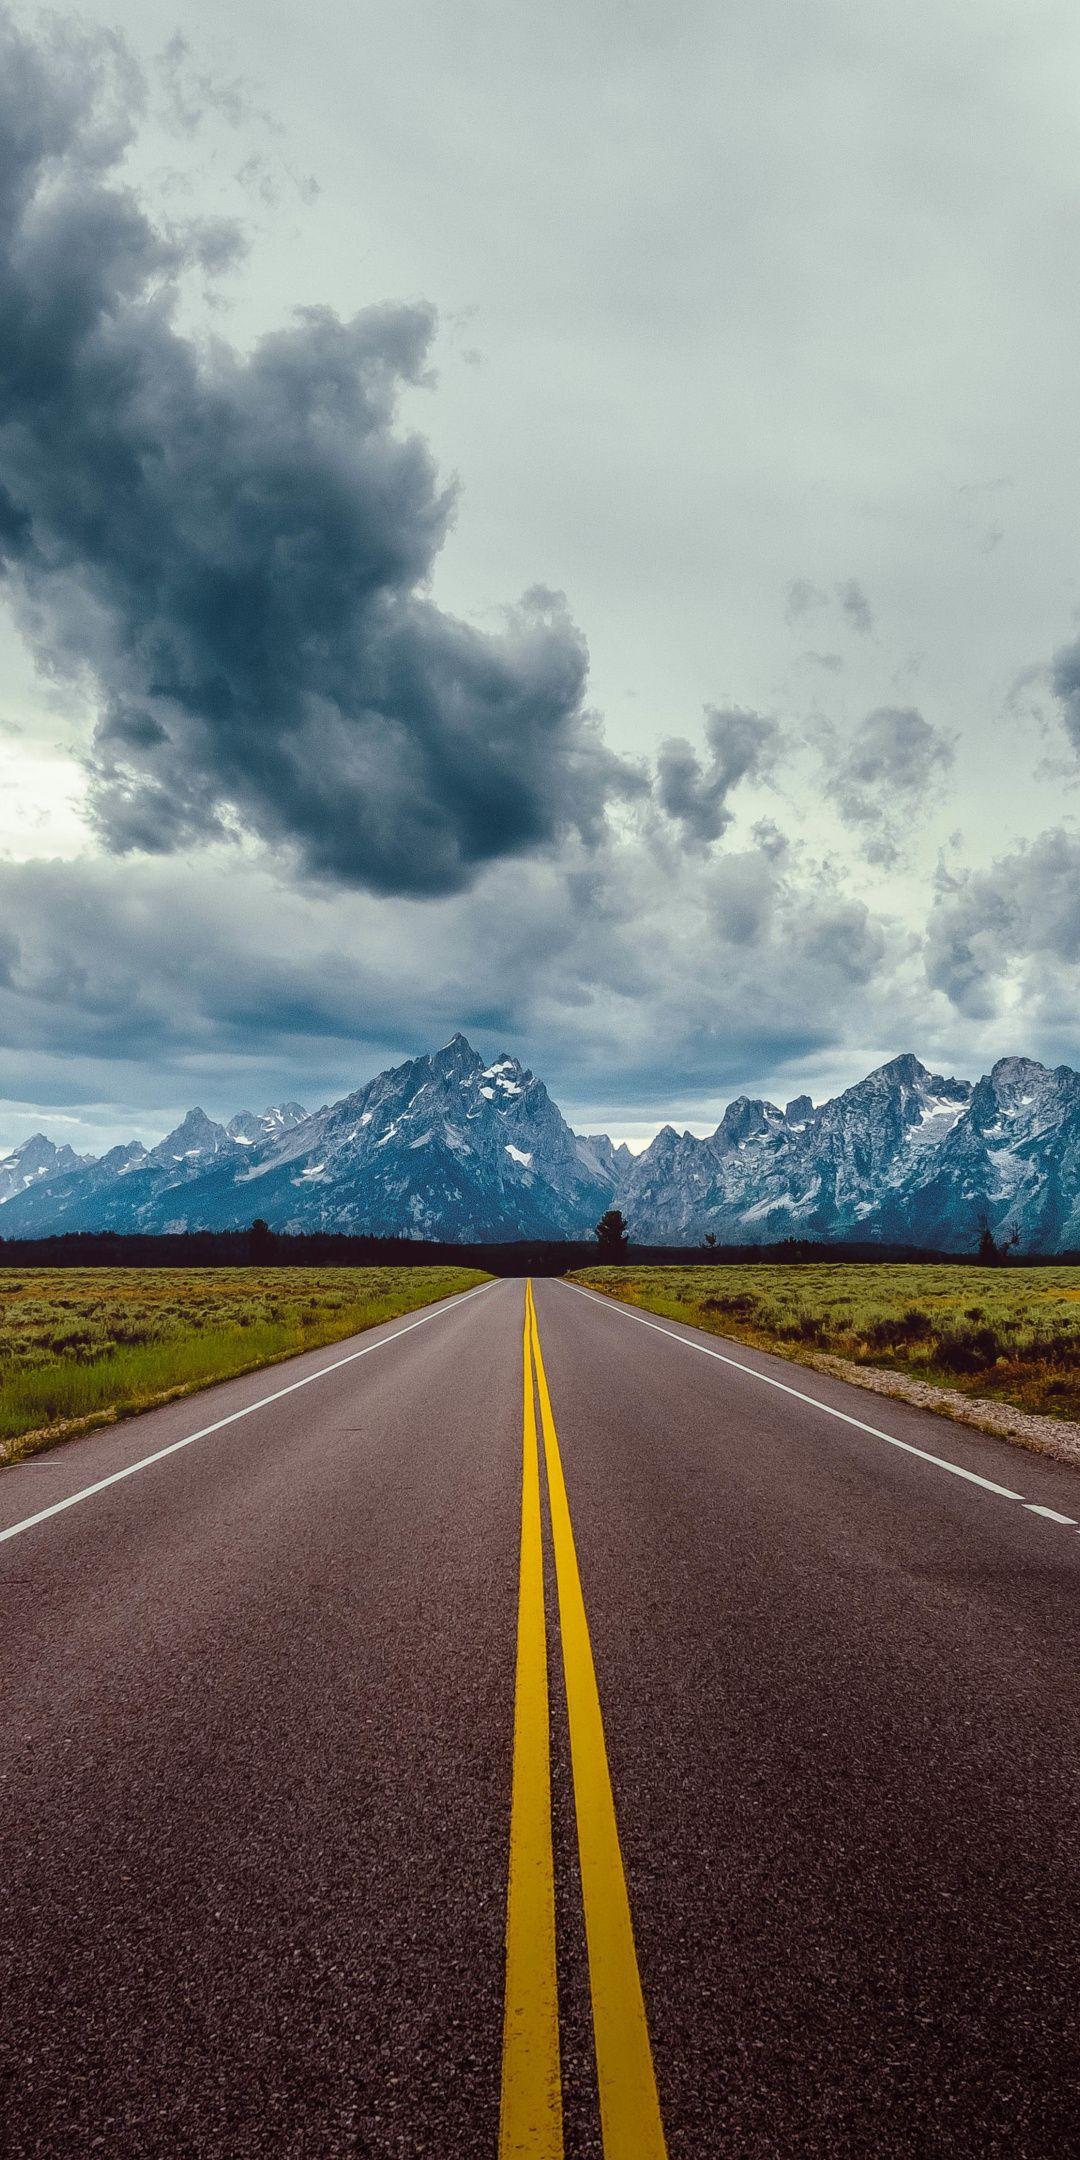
{"x": 86, "y": 1492}
{"x": 939, "y": 1462}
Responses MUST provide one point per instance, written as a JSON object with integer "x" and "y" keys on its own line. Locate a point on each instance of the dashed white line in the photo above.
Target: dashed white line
{"x": 939, "y": 1462}
{"x": 86, "y": 1492}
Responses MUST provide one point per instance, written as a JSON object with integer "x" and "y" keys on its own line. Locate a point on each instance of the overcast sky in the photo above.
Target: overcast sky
{"x": 559, "y": 523}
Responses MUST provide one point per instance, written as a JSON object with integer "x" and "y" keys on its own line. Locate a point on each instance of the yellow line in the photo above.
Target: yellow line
{"x": 629, "y": 2103}
{"x": 530, "y": 2121}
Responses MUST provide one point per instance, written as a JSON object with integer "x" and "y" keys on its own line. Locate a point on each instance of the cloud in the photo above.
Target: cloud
{"x": 856, "y": 606}
{"x": 190, "y": 92}
{"x": 743, "y": 746}
{"x": 1065, "y": 683}
{"x": 1017, "y": 922}
{"x": 616, "y": 973}
{"x": 9, "y": 956}
{"x": 803, "y": 598}
{"x": 884, "y": 772}
{"x": 233, "y": 552}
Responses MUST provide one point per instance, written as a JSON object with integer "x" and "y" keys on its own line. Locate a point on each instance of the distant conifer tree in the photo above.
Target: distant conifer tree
{"x": 991, "y": 1253}
{"x": 612, "y": 1235}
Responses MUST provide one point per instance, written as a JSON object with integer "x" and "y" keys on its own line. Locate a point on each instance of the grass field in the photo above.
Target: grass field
{"x": 81, "y": 1346}
{"x": 1012, "y": 1334}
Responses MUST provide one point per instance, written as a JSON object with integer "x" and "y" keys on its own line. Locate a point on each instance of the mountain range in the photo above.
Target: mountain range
{"x": 448, "y": 1147}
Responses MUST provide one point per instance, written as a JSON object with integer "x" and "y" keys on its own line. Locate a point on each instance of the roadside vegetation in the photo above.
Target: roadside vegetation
{"x": 1011, "y": 1334}
{"x": 82, "y": 1346}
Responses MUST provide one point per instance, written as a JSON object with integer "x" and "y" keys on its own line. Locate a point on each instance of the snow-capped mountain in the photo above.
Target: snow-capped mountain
{"x": 251, "y": 1131}
{"x": 906, "y": 1156}
{"x": 124, "y": 1189}
{"x": 768, "y": 1173}
{"x": 198, "y": 1140}
{"x": 442, "y": 1146}
{"x": 447, "y": 1146}
{"x": 36, "y": 1159}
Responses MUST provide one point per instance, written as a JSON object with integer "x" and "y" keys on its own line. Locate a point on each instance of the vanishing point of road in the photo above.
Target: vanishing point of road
{"x": 534, "y": 1728}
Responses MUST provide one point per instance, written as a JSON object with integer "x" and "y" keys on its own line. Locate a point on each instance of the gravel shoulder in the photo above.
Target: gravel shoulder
{"x": 1056, "y": 1437}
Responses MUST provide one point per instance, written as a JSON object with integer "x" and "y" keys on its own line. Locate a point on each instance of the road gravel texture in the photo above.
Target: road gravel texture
{"x": 257, "y": 1713}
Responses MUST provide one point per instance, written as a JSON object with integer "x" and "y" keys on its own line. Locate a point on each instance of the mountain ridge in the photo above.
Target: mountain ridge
{"x": 446, "y": 1146}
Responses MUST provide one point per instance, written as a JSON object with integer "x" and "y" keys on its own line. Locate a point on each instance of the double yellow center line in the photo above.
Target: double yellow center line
{"x": 531, "y": 2121}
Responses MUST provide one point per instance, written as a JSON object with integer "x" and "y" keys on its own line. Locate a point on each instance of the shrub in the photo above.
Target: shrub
{"x": 895, "y": 1333}
{"x": 967, "y": 1349}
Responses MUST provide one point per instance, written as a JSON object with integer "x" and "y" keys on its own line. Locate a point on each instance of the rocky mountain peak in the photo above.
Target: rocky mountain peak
{"x": 745, "y": 1118}
{"x": 447, "y": 1146}
{"x": 196, "y": 1137}
{"x": 455, "y": 1058}
{"x": 126, "y": 1156}
{"x": 906, "y": 1071}
{"x": 34, "y": 1160}
{"x": 1014, "y": 1075}
{"x": 246, "y": 1128}
{"x": 37, "y": 1149}
{"x": 281, "y": 1117}
{"x": 252, "y": 1131}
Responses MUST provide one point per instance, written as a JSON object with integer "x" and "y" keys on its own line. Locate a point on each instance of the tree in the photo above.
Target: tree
{"x": 260, "y": 1243}
{"x": 612, "y": 1235}
{"x": 991, "y": 1253}
{"x": 710, "y": 1238}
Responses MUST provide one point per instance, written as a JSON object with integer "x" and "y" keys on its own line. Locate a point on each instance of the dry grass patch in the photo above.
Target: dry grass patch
{"x": 1008, "y": 1334}
{"x": 82, "y": 1346}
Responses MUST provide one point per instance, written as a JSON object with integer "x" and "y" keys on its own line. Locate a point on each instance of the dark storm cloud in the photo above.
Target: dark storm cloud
{"x": 234, "y": 550}
{"x": 137, "y": 982}
{"x": 884, "y": 772}
{"x": 742, "y": 745}
{"x": 841, "y": 936}
{"x": 1023, "y": 912}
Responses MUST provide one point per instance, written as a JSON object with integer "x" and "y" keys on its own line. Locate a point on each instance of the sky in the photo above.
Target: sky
{"x": 552, "y": 523}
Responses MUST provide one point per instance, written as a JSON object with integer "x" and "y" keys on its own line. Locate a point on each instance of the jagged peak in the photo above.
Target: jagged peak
{"x": 457, "y": 1056}
{"x": 195, "y": 1131}
{"x": 428, "y": 1143}
{"x": 904, "y": 1071}
{"x": 747, "y": 1114}
{"x": 1008, "y": 1068}
{"x": 667, "y": 1134}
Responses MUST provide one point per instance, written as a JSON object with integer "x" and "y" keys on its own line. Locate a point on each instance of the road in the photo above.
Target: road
{"x": 579, "y": 1735}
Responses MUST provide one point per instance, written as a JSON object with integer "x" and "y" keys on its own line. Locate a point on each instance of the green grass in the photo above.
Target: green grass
{"x": 82, "y": 1346}
{"x": 1012, "y": 1333}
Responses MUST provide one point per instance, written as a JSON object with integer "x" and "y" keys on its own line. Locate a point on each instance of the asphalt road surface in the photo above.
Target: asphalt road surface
{"x": 527, "y": 1735}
